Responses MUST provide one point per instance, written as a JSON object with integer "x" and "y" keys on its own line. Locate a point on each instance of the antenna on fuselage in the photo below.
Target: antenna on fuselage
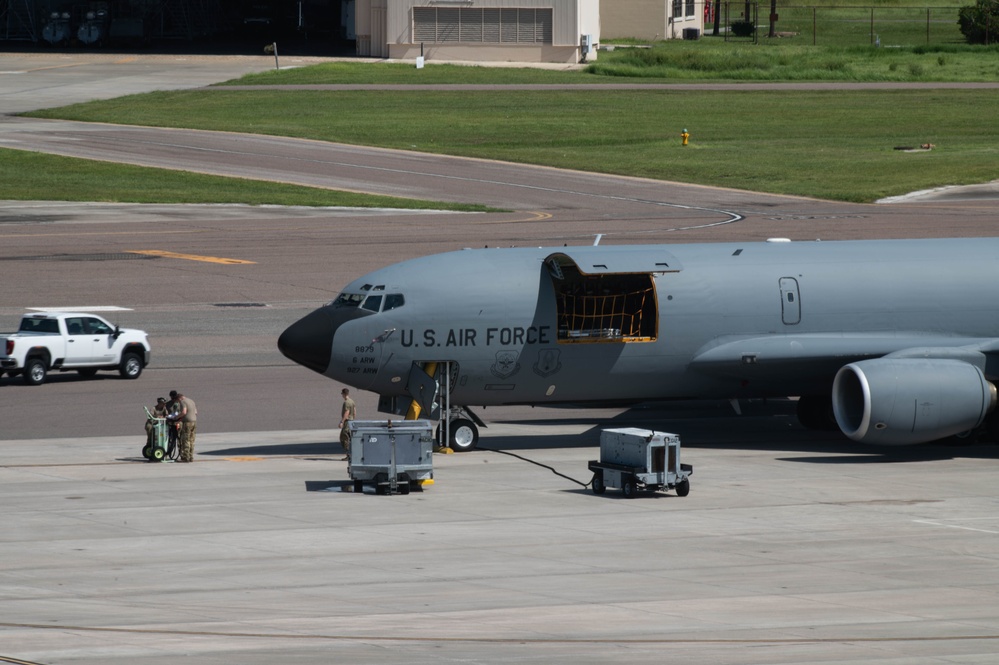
{"x": 596, "y": 241}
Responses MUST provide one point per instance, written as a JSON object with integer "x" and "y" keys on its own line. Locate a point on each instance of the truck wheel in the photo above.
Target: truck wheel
{"x": 628, "y": 488}
{"x": 683, "y": 487}
{"x": 358, "y": 487}
{"x": 597, "y": 485}
{"x": 130, "y": 367}
{"x": 34, "y": 372}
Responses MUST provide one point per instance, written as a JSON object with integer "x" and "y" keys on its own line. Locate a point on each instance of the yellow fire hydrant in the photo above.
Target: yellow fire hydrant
{"x": 684, "y": 136}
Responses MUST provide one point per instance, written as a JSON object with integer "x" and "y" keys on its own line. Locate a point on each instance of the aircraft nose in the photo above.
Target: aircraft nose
{"x": 309, "y": 341}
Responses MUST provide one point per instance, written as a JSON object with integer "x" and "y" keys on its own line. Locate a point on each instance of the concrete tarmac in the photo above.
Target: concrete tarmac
{"x": 793, "y": 547}
{"x": 790, "y": 548}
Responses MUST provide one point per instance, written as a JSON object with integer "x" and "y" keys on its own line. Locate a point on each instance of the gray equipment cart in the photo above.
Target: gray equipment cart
{"x": 632, "y": 458}
{"x": 392, "y": 455}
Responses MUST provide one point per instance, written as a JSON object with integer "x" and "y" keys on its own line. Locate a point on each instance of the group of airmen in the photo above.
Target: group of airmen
{"x": 181, "y": 415}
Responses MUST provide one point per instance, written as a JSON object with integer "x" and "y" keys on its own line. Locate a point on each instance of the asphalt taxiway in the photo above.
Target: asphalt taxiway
{"x": 792, "y": 547}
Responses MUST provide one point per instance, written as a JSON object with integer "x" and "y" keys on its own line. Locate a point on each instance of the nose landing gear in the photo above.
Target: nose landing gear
{"x": 461, "y": 434}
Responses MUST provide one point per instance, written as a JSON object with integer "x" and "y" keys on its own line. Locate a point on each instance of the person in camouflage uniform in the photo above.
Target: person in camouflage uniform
{"x": 187, "y": 415}
{"x": 348, "y": 412}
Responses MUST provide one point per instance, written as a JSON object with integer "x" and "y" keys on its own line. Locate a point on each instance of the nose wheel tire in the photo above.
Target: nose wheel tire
{"x": 463, "y": 437}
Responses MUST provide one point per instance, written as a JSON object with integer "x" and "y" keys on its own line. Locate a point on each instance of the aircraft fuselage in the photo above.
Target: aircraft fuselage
{"x": 623, "y": 324}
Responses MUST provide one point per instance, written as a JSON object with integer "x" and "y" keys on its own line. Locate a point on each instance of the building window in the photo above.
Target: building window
{"x": 444, "y": 25}
{"x": 690, "y": 8}
{"x": 677, "y": 8}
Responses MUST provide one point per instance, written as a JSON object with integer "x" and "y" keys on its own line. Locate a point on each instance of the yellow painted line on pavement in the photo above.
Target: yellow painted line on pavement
{"x": 532, "y": 216}
{"x": 42, "y": 69}
{"x": 120, "y": 61}
{"x": 190, "y": 257}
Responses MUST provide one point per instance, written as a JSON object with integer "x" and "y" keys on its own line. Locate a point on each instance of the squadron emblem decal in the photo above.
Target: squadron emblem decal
{"x": 506, "y": 364}
{"x": 548, "y": 362}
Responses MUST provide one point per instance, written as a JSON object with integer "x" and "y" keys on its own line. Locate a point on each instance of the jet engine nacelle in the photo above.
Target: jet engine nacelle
{"x": 901, "y": 401}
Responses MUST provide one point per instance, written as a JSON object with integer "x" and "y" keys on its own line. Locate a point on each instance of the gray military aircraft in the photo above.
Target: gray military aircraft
{"x": 894, "y": 341}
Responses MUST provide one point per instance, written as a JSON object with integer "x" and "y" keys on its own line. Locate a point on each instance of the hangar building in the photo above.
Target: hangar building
{"x": 652, "y": 20}
{"x": 479, "y": 30}
{"x": 482, "y": 30}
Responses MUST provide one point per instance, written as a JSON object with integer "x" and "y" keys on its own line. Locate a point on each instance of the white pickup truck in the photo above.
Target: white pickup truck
{"x": 71, "y": 341}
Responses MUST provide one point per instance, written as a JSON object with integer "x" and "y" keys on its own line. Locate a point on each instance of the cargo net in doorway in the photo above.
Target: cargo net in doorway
{"x": 605, "y": 308}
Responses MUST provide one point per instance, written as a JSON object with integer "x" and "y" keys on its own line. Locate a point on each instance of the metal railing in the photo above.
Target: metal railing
{"x": 839, "y": 25}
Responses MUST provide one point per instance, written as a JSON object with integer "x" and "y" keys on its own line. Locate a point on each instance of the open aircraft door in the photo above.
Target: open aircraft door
{"x": 422, "y": 386}
{"x": 429, "y": 385}
{"x": 608, "y": 295}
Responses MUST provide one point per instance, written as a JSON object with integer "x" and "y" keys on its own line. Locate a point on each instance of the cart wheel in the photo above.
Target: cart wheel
{"x": 158, "y": 454}
{"x": 404, "y": 488}
{"x": 147, "y": 452}
{"x": 628, "y": 488}
{"x": 597, "y": 485}
{"x": 358, "y": 487}
{"x": 381, "y": 489}
{"x": 683, "y": 487}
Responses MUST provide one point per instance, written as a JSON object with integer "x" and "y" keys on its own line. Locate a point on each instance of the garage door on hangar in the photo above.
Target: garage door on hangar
{"x": 483, "y": 26}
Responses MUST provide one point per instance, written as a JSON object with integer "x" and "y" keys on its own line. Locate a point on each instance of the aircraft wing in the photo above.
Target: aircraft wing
{"x": 733, "y": 356}
{"x": 889, "y": 389}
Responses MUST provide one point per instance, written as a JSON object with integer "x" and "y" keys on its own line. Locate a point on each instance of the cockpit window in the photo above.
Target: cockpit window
{"x": 372, "y": 303}
{"x": 348, "y": 300}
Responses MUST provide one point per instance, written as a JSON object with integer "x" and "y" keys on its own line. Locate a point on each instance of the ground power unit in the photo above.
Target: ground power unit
{"x": 633, "y": 459}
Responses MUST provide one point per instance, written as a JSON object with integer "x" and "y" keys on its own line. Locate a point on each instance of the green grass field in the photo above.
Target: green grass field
{"x": 709, "y": 59}
{"x": 790, "y": 60}
{"x": 836, "y": 145}
{"x": 32, "y": 176}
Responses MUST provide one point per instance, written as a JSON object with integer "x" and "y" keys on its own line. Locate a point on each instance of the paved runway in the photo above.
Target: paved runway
{"x": 791, "y": 548}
